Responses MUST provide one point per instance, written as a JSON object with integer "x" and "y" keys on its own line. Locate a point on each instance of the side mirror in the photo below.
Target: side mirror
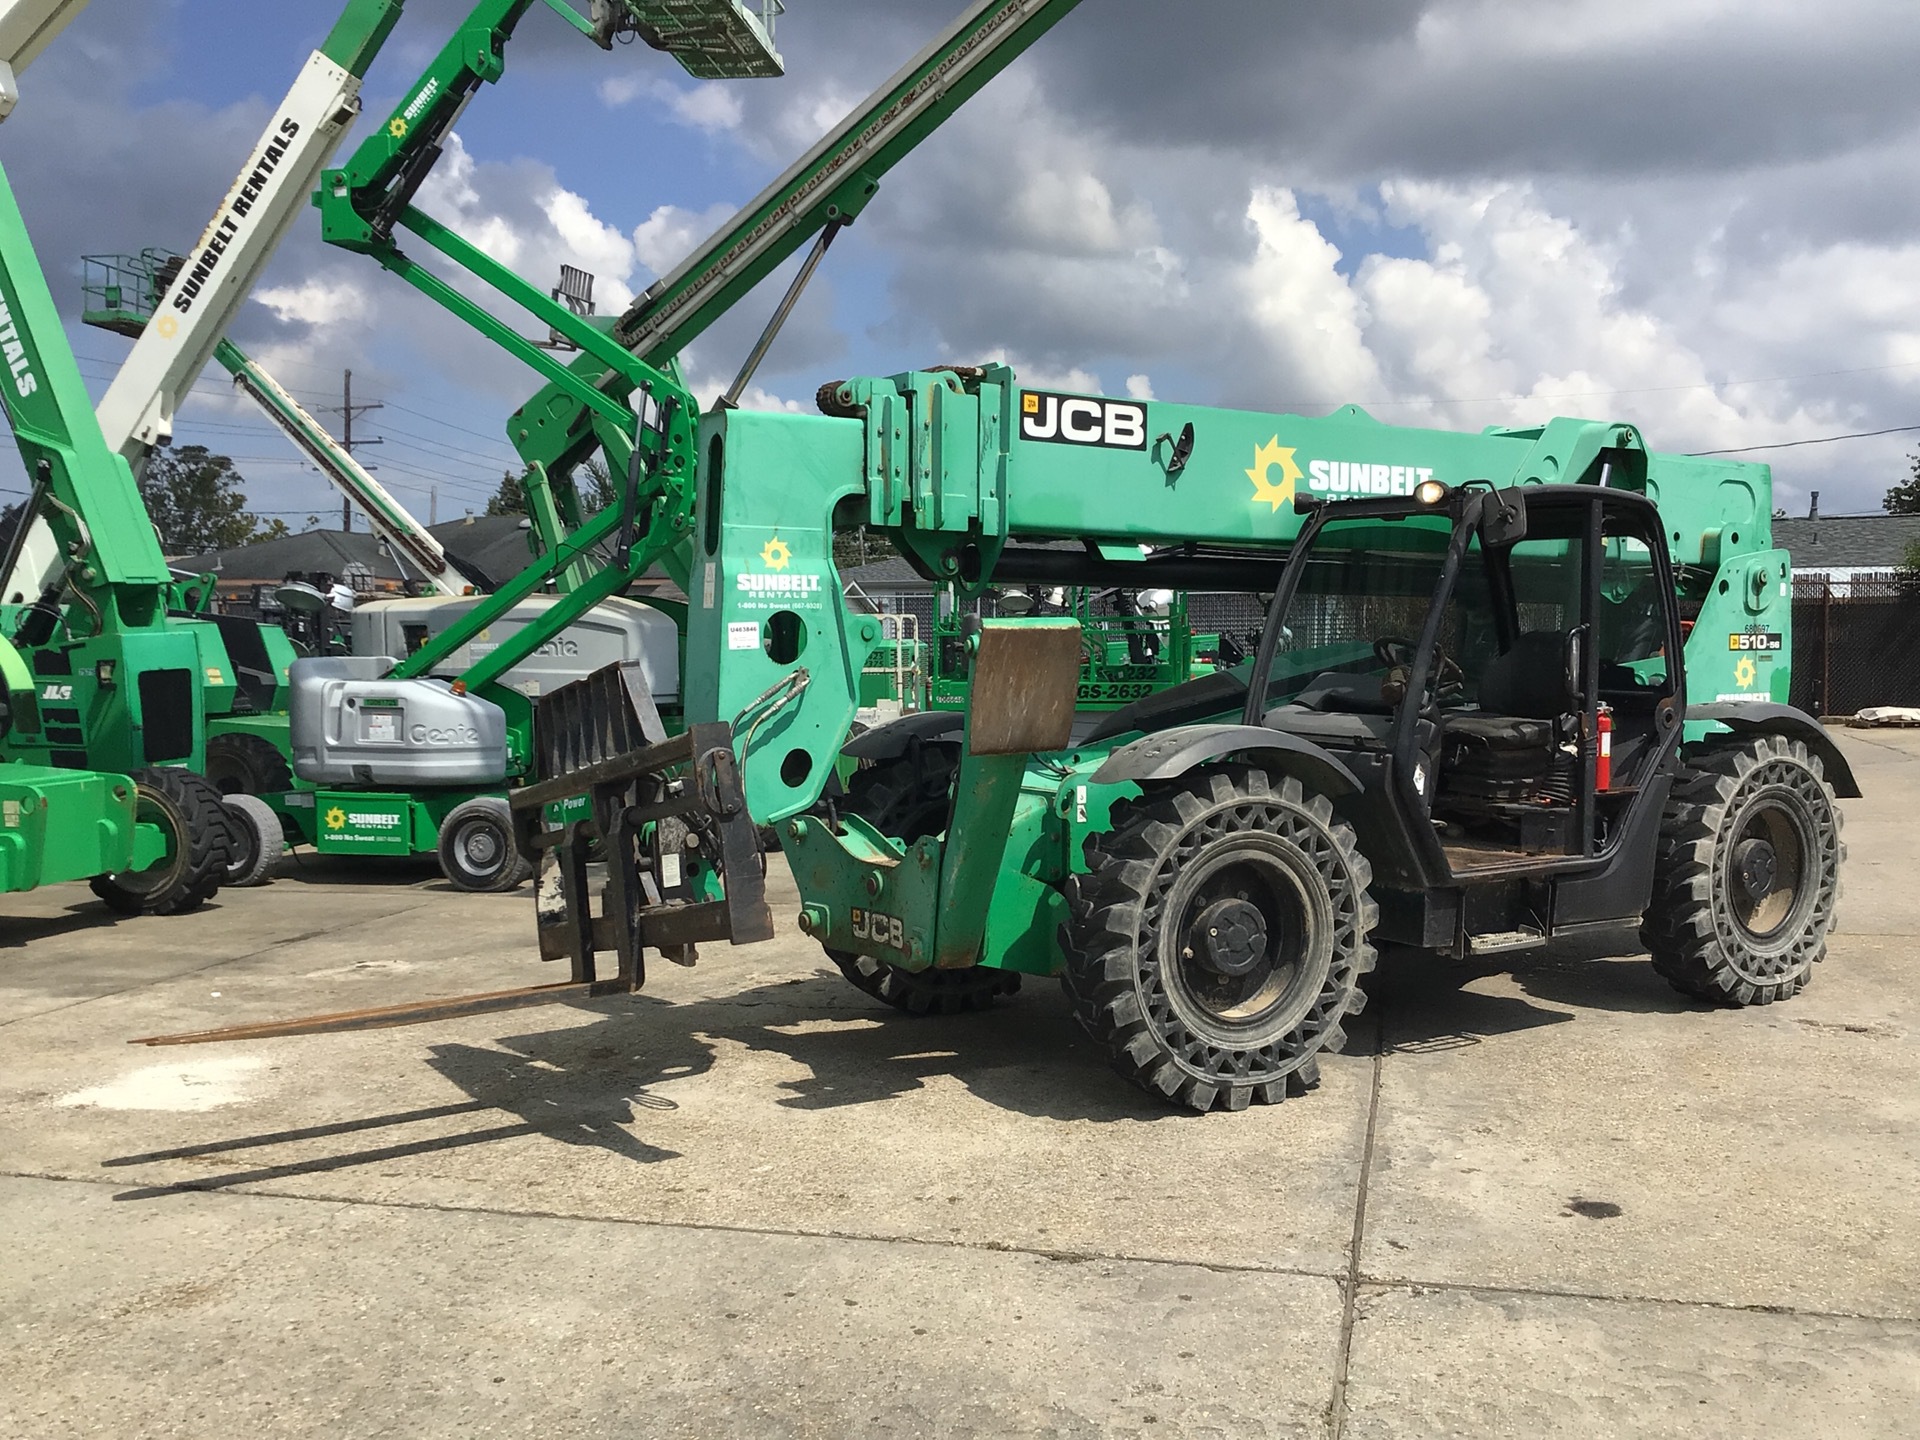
{"x": 1014, "y": 607}
{"x": 1503, "y": 517}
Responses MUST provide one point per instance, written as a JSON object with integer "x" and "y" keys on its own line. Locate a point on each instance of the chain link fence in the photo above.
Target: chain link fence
{"x": 1856, "y": 643}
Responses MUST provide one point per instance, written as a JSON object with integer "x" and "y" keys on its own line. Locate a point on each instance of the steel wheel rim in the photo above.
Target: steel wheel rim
{"x": 168, "y": 869}
{"x": 480, "y": 847}
{"x": 1769, "y": 834}
{"x": 246, "y": 843}
{"x": 1280, "y": 988}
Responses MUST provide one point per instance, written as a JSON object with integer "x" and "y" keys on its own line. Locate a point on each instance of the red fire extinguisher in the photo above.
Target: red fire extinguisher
{"x": 1603, "y": 771}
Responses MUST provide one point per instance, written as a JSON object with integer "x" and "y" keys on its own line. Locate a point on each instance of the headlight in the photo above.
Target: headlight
{"x": 1431, "y": 492}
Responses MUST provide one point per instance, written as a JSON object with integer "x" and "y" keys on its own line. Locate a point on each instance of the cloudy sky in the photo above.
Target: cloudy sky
{"x": 1701, "y": 216}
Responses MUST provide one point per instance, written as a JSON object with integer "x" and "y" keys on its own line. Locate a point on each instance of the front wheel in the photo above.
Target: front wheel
{"x": 200, "y": 843}
{"x": 1218, "y": 939}
{"x": 1748, "y": 874}
{"x": 477, "y": 850}
{"x": 259, "y": 841}
{"x": 907, "y": 798}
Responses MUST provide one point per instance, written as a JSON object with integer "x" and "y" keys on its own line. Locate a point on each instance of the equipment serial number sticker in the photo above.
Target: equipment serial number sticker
{"x": 1757, "y": 642}
{"x": 743, "y": 635}
{"x": 1077, "y": 420}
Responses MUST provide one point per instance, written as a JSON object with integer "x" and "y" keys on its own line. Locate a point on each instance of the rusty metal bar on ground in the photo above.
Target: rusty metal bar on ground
{"x": 417, "y": 1012}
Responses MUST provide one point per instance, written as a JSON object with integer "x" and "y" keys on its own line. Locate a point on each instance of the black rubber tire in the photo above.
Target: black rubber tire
{"x": 200, "y": 846}
{"x": 1694, "y": 929}
{"x": 247, "y": 765}
{"x": 907, "y": 799}
{"x": 477, "y": 850}
{"x": 259, "y": 841}
{"x": 1265, "y": 844}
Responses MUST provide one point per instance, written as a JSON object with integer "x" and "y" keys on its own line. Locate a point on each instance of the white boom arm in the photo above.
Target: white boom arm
{"x": 137, "y": 411}
{"x": 410, "y": 542}
{"x": 26, "y": 28}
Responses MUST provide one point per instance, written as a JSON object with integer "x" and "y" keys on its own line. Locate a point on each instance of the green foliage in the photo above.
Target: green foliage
{"x": 595, "y": 484}
{"x": 1904, "y": 498}
{"x": 198, "y": 502}
{"x": 509, "y": 499}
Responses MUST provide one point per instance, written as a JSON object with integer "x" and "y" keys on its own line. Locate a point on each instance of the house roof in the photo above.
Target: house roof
{"x": 311, "y": 552}
{"x": 1848, "y": 542}
{"x": 497, "y": 546}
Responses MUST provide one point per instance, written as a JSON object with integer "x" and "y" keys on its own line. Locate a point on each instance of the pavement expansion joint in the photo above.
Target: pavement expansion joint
{"x": 1351, "y": 1282}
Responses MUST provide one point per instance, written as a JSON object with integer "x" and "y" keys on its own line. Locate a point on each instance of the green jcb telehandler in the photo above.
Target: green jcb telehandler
{"x": 1510, "y": 687}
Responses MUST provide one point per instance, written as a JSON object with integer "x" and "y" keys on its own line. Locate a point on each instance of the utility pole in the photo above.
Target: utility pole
{"x": 347, "y": 410}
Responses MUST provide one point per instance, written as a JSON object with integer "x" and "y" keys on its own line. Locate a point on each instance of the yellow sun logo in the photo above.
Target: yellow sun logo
{"x": 777, "y": 555}
{"x": 1745, "y": 672}
{"x": 168, "y": 326}
{"x": 1264, "y": 486}
{"x": 397, "y": 127}
{"x": 336, "y": 819}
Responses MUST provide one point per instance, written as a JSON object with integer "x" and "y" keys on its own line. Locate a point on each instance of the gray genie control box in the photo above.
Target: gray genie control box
{"x": 615, "y": 632}
{"x": 351, "y": 727}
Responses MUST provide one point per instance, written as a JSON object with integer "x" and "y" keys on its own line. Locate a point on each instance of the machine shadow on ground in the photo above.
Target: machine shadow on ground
{"x": 594, "y": 1084}
{"x": 1424, "y": 1003}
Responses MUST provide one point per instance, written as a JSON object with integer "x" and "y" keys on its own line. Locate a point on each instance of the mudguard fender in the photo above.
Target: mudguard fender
{"x": 1750, "y": 719}
{"x": 890, "y": 741}
{"x": 1172, "y": 753}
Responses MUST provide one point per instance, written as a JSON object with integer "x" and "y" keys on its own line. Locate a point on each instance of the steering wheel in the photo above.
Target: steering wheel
{"x": 1397, "y": 653}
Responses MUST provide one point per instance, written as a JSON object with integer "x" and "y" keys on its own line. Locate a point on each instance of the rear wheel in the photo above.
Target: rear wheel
{"x": 247, "y": 765}
{"x": 906, "y": 799}
{"x": 477, "y": 849}
{"x": 259, "y": 841}
{"x": 1748, "y": 874}
{"x": 1218, "y": 939}
{"x": 200, "y": 845}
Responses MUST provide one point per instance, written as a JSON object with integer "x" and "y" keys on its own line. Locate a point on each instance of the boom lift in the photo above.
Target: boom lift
{"x": 123, "y": 293}
{"x": 99, "y": 715}
{"x": 195, "y": 301}
{"x": 1510, "y": 686}
{"x": 380, "y": 740}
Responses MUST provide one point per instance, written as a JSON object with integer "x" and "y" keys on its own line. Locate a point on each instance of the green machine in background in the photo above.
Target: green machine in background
{"x": 106, "y": 693}
{"x": 429, "y": 799}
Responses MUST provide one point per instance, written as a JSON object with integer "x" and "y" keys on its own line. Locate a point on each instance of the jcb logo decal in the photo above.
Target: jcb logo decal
{"x": 880, "y": 929}
{"x": 1075, "y": 420}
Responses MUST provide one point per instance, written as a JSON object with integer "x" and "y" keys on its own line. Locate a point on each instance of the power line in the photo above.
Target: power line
{"x": 1796, "y": 444}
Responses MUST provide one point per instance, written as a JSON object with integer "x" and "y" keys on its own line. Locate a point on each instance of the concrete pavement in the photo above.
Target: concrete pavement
{"x": 1554, "y": 1199}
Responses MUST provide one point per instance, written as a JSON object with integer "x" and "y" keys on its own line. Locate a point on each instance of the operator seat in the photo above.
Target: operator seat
{"x": 1522, "y": 694}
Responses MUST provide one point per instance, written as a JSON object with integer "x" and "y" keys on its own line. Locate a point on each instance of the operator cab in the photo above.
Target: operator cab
{"x": 1458, "y": 657}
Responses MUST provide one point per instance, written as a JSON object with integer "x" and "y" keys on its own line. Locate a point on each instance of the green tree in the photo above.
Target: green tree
{"x": 509, "y": 499}
{"x": 1904, "y": 498}
{"x": 595, "y": 484}
{"x": 198, "y": 501}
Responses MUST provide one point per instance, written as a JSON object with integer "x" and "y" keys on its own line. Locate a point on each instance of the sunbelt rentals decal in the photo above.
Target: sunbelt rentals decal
{"x": 226, "y": 228}
{"x": 775, "y": 584}
{"x": 1278, "y": 474}
{"x": 25, "y": 382}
